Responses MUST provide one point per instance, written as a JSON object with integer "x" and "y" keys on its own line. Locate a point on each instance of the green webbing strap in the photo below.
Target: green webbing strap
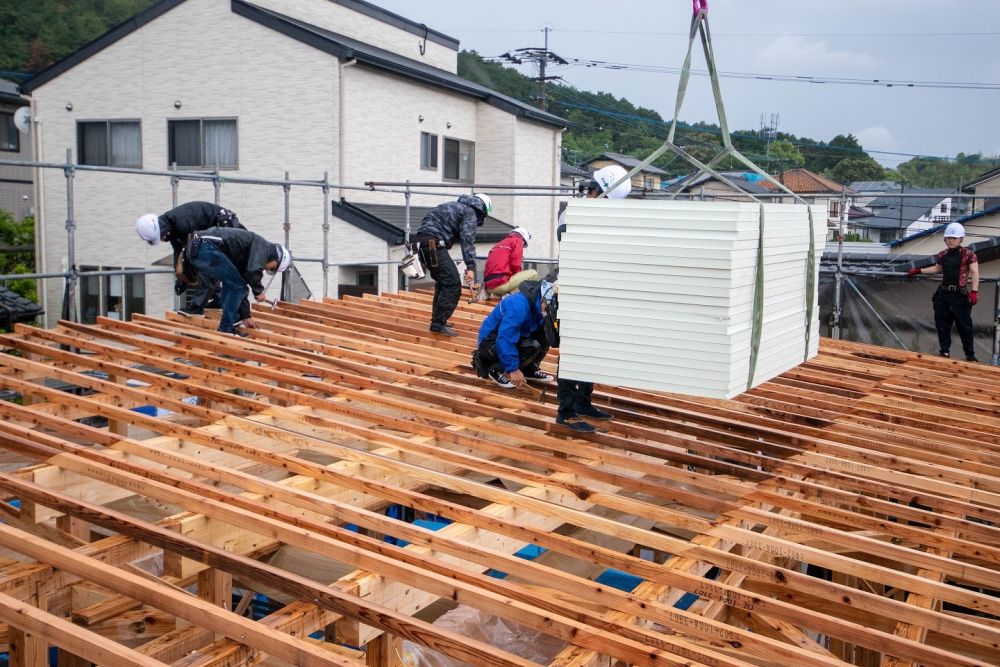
{"x": 699, "y": 27}
{"x": 758, "y": 301}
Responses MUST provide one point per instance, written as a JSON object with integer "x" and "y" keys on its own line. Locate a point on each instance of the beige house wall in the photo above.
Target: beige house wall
{"x": 988, "y": 189}
{"x": 344, "y": 21}
{"x": 638, "y": 181}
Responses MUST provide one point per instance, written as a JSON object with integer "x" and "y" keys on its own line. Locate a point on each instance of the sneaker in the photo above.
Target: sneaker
{"x": 972, "y": 359}
{"x": 945, "y": 354}
{"x": 539, "y": 375}
{"x": 592, "y": 412}
{"x": 238, "y": 331}
{"x": 501, "y": 378}
{"x": 444, "y": 331}
{"x": 191, "y": 311}
{"x": 575, "y": 425}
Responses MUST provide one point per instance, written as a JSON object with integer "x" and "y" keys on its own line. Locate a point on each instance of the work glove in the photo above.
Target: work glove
{"x": 179, "y": 287}
{"x": 912, "y": 272}
{"x": 973, "y": 297}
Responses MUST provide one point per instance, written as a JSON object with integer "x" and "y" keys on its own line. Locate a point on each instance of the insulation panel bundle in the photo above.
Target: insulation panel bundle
{"x": 660, "y": 294}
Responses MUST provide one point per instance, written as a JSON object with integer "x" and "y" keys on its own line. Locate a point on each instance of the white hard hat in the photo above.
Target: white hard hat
{"x": 487, "y": 202}
{"x": 523, "y": 233}
{"x": 284, "y": 258}
{"x": 148, "y": 228}
{"x": 608, "y": 176}
{"x": 954, "y": 230}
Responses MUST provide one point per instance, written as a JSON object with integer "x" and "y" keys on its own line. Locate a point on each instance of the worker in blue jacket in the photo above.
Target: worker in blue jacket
{"x": 512, "y": 342}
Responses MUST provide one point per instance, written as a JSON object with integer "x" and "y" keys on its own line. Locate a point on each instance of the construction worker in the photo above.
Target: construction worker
{"x": 601, "y": 180}
{"x": 440, "y": 228}
{"x": 512, "y": 342}
{"x": 575, "y": 396}
{"x": 503, "y": 271}
{"x": 175, "y": 226}
{"x": 237, "y": 258}
{"x": 958, "y": 293}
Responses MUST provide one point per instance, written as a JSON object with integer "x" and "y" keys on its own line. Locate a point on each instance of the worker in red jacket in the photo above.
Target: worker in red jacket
{"x": 503, "y": 272}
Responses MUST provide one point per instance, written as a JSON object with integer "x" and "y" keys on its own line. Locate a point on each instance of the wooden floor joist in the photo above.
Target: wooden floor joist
{"x": 846, "y": 512}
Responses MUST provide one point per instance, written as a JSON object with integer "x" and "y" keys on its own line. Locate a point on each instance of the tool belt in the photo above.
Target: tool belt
{"x": 953, "y": 288}
{"x": 427, "y": 248}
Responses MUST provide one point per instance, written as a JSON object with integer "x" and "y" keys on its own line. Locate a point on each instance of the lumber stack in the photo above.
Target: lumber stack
{"x": 351, "y": 469}
{"x": 660, "y": 294}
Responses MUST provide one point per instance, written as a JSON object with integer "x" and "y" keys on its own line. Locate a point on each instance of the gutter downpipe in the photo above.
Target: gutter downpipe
{"x": 41, "y": 262}
{"x": 349, "y": 61}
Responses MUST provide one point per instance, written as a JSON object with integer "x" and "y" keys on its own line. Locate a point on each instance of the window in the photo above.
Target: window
{"x": 428, "y": 151}
{"x": 944, "y": 207}
{"x": 459, "y": 160}
{"x": 109, "y": 143}
{"x": 834, "y": 208}
{"x": 649, "y": 185}
{"x": 118, "y": 297}
{"x": 9, "y": 138}
{"x": 202, "y": 143}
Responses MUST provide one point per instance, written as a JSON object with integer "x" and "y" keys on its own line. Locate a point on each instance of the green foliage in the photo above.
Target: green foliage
{"x": 853, "y": 169}
{"x": 930, "y": 172}
{"x": 37, "y": 33}
{"x": 786, "y": 155}
{"x": 855, "y": 237}
{"x": 18, "y": 233}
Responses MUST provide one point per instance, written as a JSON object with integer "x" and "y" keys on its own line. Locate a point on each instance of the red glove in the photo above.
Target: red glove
{"x": 973, "y": 297}
{"x": 912, "y": 272}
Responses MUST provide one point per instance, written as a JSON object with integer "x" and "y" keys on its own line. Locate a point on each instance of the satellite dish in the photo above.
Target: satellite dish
{"x": 22, "y": 119}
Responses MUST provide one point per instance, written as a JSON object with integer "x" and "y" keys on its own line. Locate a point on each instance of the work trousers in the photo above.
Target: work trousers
{"x": 573, "y": 396}
{"x": 953, "y": 308}
{"x": 513, "y": 282}
{"x": 214, "y": 265}
{"x": 447, "y": 284}
{"x": 530, "y": 352}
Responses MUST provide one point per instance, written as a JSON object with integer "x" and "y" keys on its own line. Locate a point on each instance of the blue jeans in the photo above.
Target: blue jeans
{"x": 214, "y": 265}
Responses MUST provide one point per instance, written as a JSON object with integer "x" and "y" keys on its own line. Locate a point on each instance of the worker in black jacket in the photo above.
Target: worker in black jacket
{"x": 440, "y": 228}
{"x": 175, "y": 226}
{"x": 237, "y": 258}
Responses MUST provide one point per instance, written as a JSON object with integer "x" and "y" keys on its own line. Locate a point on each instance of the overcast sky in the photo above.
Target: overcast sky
{"x": 913, "y": 40}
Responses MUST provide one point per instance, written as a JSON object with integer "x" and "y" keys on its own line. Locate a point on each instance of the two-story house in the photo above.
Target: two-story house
{"x": 986, "y": 190}
{"x": 259, "y": 88}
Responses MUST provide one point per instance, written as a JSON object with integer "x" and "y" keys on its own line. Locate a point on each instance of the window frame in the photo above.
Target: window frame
{"x": 107, "y": 141}
{"x": 424, "y": 154}
{"x": 201, "y": 143}
{"x": 444, "y": 166}
{"x": 103, "y": 298}
{"x": 14, "y": 135}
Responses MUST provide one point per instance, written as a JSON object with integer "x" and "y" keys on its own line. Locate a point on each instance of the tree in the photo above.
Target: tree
{"x": 15, "y": 235}
{"x": 784, "y": 155}
{"x": 853, "y": 169}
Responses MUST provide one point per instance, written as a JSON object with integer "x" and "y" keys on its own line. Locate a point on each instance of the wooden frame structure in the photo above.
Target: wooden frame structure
{"x": 846, "y": 512}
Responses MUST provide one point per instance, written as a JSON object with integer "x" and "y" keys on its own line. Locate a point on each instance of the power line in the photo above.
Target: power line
{"x": 789, "y": 78}
{"x": 770, "y": 35}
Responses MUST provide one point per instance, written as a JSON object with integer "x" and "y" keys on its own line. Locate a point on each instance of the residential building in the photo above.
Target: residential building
{"x": 986, "y": 190}
{"x": 896, "y": 217}
{"x": 16, "y": 190}
{"x": 648, "y": 179}
{"x": 708, "y": 186}
{"x": 816, "y": 189}
{"x": 868, "y": 191}
{"x": 261, "y": 88}
{"x": 981, "y": 235}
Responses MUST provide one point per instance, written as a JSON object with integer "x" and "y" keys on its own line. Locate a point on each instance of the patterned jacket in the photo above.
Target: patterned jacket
{"x": 456, "y": 221}
{"x": 968, "y": 259}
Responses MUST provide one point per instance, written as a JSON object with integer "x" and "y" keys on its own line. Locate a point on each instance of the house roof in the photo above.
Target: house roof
{"x": 874, "y": 186}
{"x": 740, "y": 178}
{"x": 388, "y": 221}
{"x": 939, "y": 228}
{"x": 16, "y": 308}
{"x": 992, "y": 173}
{"x": 9, "y": 92}
{"x": 627, "y": 161}
{"x": 570, "y": 170}
{"x": 803, "y": 181}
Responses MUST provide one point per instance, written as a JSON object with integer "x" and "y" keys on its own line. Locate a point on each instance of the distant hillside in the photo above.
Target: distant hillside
{"x": 37, "y": 33}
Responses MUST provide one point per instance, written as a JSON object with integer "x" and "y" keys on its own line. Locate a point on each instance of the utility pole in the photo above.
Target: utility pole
{"x": 541, "y": 58}
{"x": 902, "y": 186}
